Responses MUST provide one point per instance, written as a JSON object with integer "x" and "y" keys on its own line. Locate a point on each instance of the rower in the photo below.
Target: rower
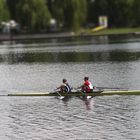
{"x": 87, "y": 86}
{"x": 64, "y": 87}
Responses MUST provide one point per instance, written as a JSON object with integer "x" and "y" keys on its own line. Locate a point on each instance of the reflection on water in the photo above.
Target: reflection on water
{"x": 69, "y": 57}
{"x": 111, "y": 118}
{"x": 73, "y": 53}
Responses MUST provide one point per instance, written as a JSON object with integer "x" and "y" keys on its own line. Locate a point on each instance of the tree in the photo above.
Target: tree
{"x": 33, "y": 14}
{"x": 136, "y": 12}
{"x": 97, "y": 8}
{"x": 12, "y": 8}
{"x": 70, "y": 13}
{"x": 77, "y": 11}
{"x": 118, "y": 11}
{"x": 4, "y": 13}
{"x": 57, "y": 10}
{"x": 121, "y": 13}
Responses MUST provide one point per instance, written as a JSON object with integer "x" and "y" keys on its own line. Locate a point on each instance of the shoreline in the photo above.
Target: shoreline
{"x": 61, "y": 35}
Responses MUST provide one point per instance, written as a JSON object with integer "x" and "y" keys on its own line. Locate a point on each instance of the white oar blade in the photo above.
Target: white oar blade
{"x": 62, "y": 97}
{"x": 89, "y": 97}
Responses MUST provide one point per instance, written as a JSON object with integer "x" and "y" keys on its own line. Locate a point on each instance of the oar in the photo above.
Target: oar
{"x": 112, "y": 88}
{"x": 84, "y": 94}
{"x": 61, "y": 97}
{"x": 3, "y": 95}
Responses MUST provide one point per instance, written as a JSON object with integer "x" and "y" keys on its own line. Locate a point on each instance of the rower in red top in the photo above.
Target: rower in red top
{"x": 87, "y": 86}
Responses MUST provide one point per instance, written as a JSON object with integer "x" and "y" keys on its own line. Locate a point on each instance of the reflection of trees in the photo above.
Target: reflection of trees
{"x": 68, "y": 57}
{"x": 11, "y": 58}
{"x": 124, "y": 56}
{"x": 106, "y": 56}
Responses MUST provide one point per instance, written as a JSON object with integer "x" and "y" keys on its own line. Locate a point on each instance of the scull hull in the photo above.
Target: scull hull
{"x": 96, "y": 93}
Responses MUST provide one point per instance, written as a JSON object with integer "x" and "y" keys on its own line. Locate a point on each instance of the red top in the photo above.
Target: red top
{"x": 86, "y": 84}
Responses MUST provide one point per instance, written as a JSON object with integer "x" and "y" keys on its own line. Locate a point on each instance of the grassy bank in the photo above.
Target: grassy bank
{"x": 112, "y": 31}
{"x": 82, "y": 32}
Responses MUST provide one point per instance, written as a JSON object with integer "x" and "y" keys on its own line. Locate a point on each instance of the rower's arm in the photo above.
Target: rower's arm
{"x": 60, "y": 87}
{"x": 80, "y": 87}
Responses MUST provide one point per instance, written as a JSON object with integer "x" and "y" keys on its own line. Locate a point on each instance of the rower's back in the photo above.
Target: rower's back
{"x": 66, "y": 87}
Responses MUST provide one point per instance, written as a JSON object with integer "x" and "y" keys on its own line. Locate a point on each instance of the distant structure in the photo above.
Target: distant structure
{"x": 52, "y": 25}
{"x": 10, "y": 26}
{"x": 103, "y": 24}
{"x": 103, "y": 21}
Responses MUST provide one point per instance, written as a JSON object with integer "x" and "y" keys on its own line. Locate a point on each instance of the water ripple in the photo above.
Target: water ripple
{"x": 106, "y": 118}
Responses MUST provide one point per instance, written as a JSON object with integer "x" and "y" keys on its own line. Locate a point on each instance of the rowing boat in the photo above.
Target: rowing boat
{"x": 78, "y": 93}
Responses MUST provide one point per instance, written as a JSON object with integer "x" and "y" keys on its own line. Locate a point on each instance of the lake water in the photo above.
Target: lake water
{"x": 40, "y": 66}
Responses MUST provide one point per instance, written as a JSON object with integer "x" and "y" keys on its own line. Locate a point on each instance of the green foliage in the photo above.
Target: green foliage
{"x": 70, "y": 13}
{"x": 75, "y": 14}
{"x": 4, "y": 13}
{"x": 57, "y": 8}
{"x": 122, "y": 13}
{"x": 96, "y": 9}
{"x": 119, "y": 12}
{"x": 33, "y": 14}
{"x": 12, "y": 8}
{"x": 136, "y": 12}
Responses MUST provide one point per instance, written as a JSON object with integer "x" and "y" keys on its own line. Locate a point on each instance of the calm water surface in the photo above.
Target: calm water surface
{"x": 39, "y": 67}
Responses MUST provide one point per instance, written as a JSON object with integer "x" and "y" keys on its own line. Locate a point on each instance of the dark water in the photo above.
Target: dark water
{"x": 39, "y": 67}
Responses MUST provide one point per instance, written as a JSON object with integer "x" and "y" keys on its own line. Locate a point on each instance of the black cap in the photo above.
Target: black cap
{"x": 64, "y": 80}
{"x": 86, "y": 78}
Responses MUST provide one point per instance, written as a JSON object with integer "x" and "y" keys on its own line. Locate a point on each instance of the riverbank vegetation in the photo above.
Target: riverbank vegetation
{"x": 69, "y": 15}
{"x": 112, "y": 31}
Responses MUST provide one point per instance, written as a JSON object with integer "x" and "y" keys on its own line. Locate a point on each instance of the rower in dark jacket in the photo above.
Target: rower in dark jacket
{"x": 64, "y": 87}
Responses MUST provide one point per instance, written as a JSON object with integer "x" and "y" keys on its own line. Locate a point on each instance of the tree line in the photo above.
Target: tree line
{"x": 35, "y": 15}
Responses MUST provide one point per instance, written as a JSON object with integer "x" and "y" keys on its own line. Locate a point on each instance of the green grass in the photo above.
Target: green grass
{"x": 112, "y": 31}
